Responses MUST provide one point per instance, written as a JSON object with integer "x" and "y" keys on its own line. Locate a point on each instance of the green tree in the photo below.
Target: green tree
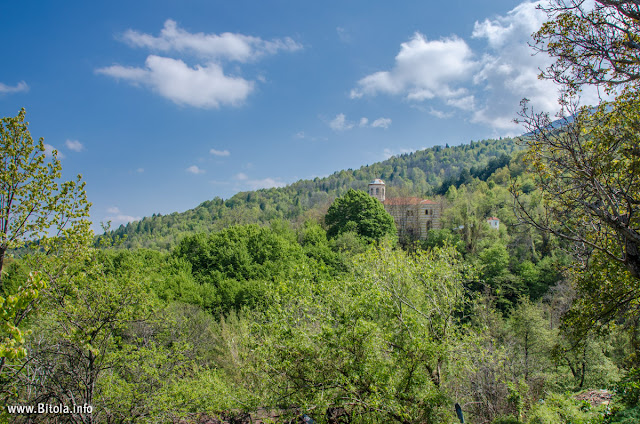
{"x": 81, "y": 336}
{"x": 588, "y": 170}
{"x": 591, "y": 45}
{"x": 376, "y": 342}
{"x": 35, "y": 207}
{"x": 359, "y": 212}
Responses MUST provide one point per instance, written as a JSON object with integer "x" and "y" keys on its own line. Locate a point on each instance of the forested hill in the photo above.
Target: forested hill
{"x": 422, "y": 173}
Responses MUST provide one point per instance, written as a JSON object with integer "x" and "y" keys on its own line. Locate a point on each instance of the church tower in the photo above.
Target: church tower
{"x": 376, "y": 189}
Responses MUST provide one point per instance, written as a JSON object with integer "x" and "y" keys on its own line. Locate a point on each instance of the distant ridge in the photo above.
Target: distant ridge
{"x": 422, "y": 173}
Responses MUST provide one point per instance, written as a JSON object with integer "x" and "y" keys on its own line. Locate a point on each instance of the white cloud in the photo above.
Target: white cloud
{"x": 113, "y": 209}
{"x": 364, "y": 121}
{"x": 19, "y": 87}
{"x": 140, "y": 170}
{"x": 203, "y": 86}
{"x": 219, "y": 152}
{"x": 194, "y": 169}
{"x": 423, "y": 69}
{"x": 509, "y": 69}
{"x": 229, "y": 46}
{"x": 74, "y": 145}
{"x": 381, "y": 123}
{"x": 486, "y": 84}
{"x": 48, "y": 151}
{"x": 340, "y": 123}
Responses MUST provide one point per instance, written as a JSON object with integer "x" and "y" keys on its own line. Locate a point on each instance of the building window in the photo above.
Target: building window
{"x": 426, "y": 212}
{"x": 377, "y": 190}
{"x": 428, "y": 225}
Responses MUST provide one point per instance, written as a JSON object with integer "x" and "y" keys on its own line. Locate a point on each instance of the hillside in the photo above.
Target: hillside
{"x": 422, "y": 173}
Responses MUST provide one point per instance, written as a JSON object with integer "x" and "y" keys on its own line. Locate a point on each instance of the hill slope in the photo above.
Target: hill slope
{"x": 422, "y": 173}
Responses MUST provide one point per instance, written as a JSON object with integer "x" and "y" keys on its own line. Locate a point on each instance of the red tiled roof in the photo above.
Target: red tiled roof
{"x": 409, "y": 201}
{"x": 492, "y": 218}
{"x": 403, "y": 201}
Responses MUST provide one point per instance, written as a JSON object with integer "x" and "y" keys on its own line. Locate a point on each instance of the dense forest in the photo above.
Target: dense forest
{"x": 302, "y": 305}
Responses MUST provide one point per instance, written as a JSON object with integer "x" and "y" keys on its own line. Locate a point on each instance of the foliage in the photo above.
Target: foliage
{"x": 34, "y": 205}
{"x": 357, "y": 211}
{"x": 35, "y": 209}
{"x": 562, "y": 409}
{"x": 235, "y": 263}
{"x": 13, "y": 309}
{"x": 375, "y": 343}
{"x": 79, "y": 336}
{"x": 592, "y": 45}
{"x": 588, "y": 173}
{"x": 587, "y": 164}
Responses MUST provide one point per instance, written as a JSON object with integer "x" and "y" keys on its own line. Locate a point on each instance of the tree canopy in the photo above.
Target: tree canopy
{"x": 591, "y": 45}
{"x": 357, "y": 211}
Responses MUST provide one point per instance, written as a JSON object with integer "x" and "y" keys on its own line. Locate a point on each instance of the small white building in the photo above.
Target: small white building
{"x": 493, "y": 222}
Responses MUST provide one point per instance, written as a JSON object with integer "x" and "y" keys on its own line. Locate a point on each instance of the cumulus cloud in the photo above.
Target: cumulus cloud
{"x": 509, "y": 70}
{"x": 487, "y": 84}
{"x": 19, "y": 87}
{"x": 74, "y": 145}
{"x": 203, "y": 85}
{"x": 363, "y": 122}
{"x": 194, "y": 169}
{"x": 423, "y": 69}
{"x": 219, "y": 152}
{"x": 228, "y": 46}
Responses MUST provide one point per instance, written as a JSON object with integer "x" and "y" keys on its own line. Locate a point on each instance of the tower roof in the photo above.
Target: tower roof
{"x": 377, "y": 181}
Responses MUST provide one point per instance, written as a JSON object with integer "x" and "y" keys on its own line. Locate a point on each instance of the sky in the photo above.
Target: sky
{"x": 163, "y": 104}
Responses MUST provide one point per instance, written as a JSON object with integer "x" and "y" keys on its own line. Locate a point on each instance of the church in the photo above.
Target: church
{"x": 414, "y": 216}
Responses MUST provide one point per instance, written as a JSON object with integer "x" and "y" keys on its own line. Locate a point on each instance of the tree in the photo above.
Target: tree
{"x": 82, "y": 336}
{"x": 598, "y": 45}
{"x": 588, "y": 165}
{"x": 34, "y": 205}
{"x": 376, "y": 343}
{"x": 34, "y": 208}
{"x": 359, "y": 212}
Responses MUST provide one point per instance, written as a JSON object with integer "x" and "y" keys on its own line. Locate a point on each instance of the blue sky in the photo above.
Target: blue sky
{"x": 161, "y": 105}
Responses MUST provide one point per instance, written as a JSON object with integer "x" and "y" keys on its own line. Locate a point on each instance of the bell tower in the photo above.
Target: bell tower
{"x": 377, "y": 189}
